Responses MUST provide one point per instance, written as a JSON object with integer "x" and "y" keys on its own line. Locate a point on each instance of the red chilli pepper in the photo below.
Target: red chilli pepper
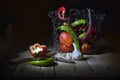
{"x": 61, "y": 13}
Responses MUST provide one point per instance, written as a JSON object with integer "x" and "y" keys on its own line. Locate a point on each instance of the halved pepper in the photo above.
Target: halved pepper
{"x": 37, "y": 50}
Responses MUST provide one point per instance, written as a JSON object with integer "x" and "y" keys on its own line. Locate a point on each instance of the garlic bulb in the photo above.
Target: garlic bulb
{"x": 76, "y": 54}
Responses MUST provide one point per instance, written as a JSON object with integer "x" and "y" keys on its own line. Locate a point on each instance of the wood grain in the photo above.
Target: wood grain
{"x": 97, "y": 65}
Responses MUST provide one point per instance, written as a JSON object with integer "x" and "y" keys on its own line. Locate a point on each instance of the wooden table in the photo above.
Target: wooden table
{"x": 97, "y": 65}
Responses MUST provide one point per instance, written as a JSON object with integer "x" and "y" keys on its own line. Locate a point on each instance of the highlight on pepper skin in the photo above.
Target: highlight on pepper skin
{"x": 37, "y": 50}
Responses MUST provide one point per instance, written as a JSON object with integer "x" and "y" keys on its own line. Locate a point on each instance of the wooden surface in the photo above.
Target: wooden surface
{"x": 95, "y": 65}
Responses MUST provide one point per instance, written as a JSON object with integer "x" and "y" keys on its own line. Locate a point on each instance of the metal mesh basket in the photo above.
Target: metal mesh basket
{"x": 74, "y": 14}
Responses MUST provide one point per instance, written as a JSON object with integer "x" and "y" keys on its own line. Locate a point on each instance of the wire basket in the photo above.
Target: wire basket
{"x": 93, "y": 19}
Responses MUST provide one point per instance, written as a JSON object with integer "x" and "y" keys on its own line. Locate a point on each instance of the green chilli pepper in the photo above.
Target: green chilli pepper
{"x": 82, "y": 35}
{"x": 44, "y": 62}
{"x": 63, "y": 28}
{"x": 78, "y": 22}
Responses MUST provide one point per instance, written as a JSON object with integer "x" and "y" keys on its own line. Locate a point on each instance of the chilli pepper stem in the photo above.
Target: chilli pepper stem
{"x": 77, "y": 44}
{"x": 74, "y": 38}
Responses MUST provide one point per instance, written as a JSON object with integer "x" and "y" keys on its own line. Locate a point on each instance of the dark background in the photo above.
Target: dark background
{"x": 28, "y": 21}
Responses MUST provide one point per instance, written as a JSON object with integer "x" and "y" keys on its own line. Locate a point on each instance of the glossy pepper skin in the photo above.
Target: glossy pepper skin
{"x": 61, "y": 13}
{"x": 40, "y": 53}
{"x": 66, "y": 41}
{"x": 44, "y": 62}
{"x": 85, "y": 48}
{"x": 78, "y": 22}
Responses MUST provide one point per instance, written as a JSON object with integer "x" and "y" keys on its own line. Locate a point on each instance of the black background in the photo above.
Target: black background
{"x": 30, "y": 21}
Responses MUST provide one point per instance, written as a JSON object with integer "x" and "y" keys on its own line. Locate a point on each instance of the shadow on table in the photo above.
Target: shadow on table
{"x": 23, "y": 60}
{"x": 98, "y": 51}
